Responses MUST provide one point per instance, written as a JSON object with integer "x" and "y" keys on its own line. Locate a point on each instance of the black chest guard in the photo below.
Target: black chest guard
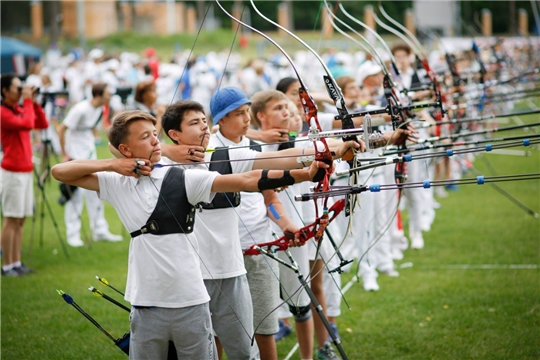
{"x": 223, "y": 166}
{"x": 178, "y": 216}
{"x": 288, "y": 144}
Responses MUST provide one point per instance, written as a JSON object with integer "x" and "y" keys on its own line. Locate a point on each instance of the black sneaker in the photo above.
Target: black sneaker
{"x": 327, "y": 352}
{"x": 12, "y": 273}
{"x": 26, "y": 270}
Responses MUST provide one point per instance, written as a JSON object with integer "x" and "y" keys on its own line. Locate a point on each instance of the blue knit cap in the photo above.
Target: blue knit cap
{"x": 226, "y": 100}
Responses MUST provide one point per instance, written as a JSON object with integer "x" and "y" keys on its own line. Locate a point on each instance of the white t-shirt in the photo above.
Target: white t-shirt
{"x": 75, "y": 80}
{"x": 163, "y": 270}
{"x": 293, "y": 209}
{"x": 253, "y": 224}
{"x": 326, "y": 120}
{"x": 80, "y": 120}
{"x": 217, "y": 230}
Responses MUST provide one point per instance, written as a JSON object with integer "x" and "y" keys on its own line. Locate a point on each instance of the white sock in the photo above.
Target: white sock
{"x": 17, "y": 264}
{"x": 7, "y": 267}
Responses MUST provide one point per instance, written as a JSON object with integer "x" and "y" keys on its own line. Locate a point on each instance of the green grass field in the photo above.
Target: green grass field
{"x": 434, "y": 310}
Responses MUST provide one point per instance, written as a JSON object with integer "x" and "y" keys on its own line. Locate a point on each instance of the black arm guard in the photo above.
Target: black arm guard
{"x": 266, "y": 183}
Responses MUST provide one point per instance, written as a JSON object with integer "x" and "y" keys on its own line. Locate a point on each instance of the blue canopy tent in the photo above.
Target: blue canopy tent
{"x": 17, "y": 55}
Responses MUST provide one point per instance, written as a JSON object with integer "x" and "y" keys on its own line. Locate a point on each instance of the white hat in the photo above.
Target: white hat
{"x": 95, "y": 54}
{"x": 113, "y": 64}
{"x": 368, "y": 68}
{"x": 341, "y": 58}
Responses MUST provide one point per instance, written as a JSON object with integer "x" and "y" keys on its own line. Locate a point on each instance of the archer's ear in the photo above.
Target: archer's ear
{"x": 124, "y": 150}
{"x": 260, "y": 117}
{"x": 173, "y": 135}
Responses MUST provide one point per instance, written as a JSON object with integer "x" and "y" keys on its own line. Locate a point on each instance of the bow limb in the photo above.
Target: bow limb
{"x": 310, "y": 107}
{"x": 400, "y": 169}
{"x": 388, "y": 83}
{"x": 403, "y": 28}
{"x": 369, "y": 48}
{"x": 322, "y": 155}
{"x": 310, "y": 111}
{"x": 423, "y": 59}
{"x": 333, "y": 90}
{"x": 398, "y": 116}
{"x": 306, "y": 233}
{"x": 381, "y": 40}
{"x": 450, "y": 59}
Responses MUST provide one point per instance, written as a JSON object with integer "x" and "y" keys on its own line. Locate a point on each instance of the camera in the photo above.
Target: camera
{"x": 55, "y": 93}
{"x": 35, "y": 90}
{"x": 124, "y": 93}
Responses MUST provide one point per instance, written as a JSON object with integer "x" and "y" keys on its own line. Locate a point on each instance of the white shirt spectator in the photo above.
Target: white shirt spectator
{"x": 80, "y": 120}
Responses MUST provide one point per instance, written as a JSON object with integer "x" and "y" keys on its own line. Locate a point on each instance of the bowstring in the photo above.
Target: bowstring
{"x": 190, "y": 53}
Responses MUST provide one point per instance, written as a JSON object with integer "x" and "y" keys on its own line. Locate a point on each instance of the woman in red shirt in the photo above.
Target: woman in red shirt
{"x": 16, "y": 122}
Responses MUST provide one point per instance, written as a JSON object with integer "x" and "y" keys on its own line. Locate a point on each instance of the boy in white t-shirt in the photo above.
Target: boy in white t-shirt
{"x": 164, "y": 284}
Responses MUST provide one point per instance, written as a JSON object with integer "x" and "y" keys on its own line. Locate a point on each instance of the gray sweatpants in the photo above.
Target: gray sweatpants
{"x": 232, "y": 315}
{"x": 189, "y": 328}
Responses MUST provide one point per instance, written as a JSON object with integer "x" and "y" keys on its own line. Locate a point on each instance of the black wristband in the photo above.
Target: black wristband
{"x": 266, "y": 183}
{"x": 319, "y": 176}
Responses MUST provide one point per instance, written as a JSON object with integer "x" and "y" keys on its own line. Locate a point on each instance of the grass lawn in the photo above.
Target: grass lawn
{"x": 436, "y": 309}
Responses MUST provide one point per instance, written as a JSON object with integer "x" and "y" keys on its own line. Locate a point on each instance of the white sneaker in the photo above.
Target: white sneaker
{"x": 425, "y": 226}
{"x": 440, "y": 192}
{"x": 417, "y": 240}
{"x": 370, "y": 284}
{"x": 397, "y": 254}
{"x": 108, "y": 237}
{"x": 75, "y": 242}
{"x": 402, "y": 243}
{"x": 391, "y": 273}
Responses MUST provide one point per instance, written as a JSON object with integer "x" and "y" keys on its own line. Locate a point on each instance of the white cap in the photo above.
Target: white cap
{"x": 95, "y": 54}
{"x": 113, "y": 64}
{"x": 368, "y": 68}
{"x": 341, "y": 58}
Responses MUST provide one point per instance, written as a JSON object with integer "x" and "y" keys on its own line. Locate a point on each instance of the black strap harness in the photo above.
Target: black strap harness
{"x": 164, "y": 220}
{"x": 220, "y": 163}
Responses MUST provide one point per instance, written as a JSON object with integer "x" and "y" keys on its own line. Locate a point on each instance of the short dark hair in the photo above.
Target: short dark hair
{"x": 118, "y": 131}
{"x": 174, "y": 115}
{"x": 400, "y": 46}
{"x": 98, "y": 89}
{"x": 283, "y": 84}
{"x": 142, "y": 88}
{"x": 7, "y": 80}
